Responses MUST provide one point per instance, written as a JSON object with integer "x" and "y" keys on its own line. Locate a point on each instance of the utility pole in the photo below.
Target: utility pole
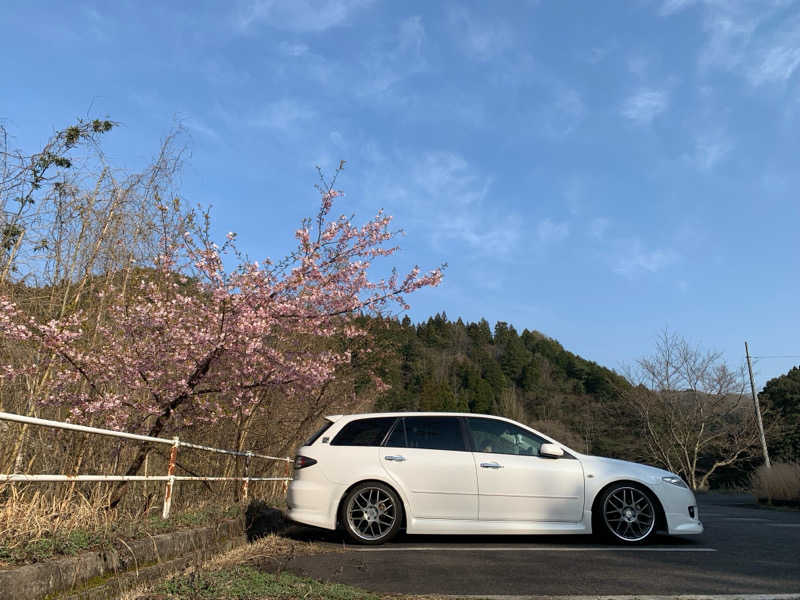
{"x": 758, "y": 410}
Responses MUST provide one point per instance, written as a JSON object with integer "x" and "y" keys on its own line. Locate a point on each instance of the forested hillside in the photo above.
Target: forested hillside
{"x": 527, "y": 376}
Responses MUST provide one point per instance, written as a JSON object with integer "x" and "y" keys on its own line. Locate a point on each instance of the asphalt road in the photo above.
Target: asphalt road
{"x": 746, "y": 549}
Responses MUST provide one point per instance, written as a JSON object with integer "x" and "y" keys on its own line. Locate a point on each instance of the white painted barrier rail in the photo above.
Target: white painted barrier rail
{"x": 170, "y": 478}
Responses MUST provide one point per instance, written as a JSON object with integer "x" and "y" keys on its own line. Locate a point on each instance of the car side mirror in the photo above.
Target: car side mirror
{"x": 551, "y": 451}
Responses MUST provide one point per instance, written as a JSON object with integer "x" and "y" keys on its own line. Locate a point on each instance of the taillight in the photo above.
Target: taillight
{"x": 301, "y": 462}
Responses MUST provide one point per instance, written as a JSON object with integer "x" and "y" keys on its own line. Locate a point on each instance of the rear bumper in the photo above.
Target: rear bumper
{"x": 313, "y": 503}
{"x": 306, "y": 517}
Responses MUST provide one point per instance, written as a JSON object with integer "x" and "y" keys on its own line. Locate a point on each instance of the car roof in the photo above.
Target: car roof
{"x": 334, "y": 418}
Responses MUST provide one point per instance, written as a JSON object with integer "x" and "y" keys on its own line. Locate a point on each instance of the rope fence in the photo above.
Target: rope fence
{"x": 170, "y": 478}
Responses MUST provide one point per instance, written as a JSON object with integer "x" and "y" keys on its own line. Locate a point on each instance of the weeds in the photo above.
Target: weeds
{"x": 245, "y": 583}
{"x": 37, "y": 526}
{"x": 780, "y": 483}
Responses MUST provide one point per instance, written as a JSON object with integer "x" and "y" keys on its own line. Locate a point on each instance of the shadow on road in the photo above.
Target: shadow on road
{"x": 313, "y": 534}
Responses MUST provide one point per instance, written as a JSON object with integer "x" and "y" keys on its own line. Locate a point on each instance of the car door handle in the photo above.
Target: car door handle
{"x": 395, "y": 458}
{"x": 491, "y": 465}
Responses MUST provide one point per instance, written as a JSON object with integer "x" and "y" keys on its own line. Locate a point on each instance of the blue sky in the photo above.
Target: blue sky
{"x": 596, "y": 171}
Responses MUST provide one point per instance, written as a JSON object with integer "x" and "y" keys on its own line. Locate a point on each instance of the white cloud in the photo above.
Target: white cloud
{"x": 565, "y": 114}
{"x": 645, "y": 105}
{"x": 777, "y": 63}
{"x": 491, "y": 237}
{"x": 99, "y": 25}
{"x": 451, "y": 195}
{"x": 292, "y": 49}
{"x": 710, "y": 149}
{"x": 199, "y": 126}
{"x": 479, "y": 37}
{"x": 411, "y": 35}
{"x": 754, "y": 39}
{"x": 440, "y": 174}
{"x": 728, "y": 31}
{"x": 550, "y": 232}
{"x": 282, "y": 115}
{"x": 669, "y": 7}
{"x": 398, "y": 58}
{"x": 299, "y": 15}
{"x": 635, "y": 259}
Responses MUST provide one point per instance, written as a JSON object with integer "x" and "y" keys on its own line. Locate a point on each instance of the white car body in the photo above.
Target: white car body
{"x": 448, "y": 491}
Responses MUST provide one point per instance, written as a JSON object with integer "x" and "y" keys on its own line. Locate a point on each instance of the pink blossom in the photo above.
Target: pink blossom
{"x": 195, "y": 339}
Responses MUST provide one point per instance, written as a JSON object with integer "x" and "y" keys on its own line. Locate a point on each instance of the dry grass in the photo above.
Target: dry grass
{"x": 779, "y": 483}
{"x": 272, "y": 550}
{"x": 251, "y": 567}
{"x": 37, "y": 525}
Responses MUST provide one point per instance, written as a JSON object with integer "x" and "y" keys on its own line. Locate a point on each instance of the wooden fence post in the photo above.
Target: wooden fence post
{"x": 173, "y": 456}
{"x": 288, "y": 474}
{"x": 246, "y": 482}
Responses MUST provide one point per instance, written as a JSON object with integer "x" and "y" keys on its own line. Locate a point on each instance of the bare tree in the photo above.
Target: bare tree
{"x": 693, "y": 410}
{"x": 70, "y": 227}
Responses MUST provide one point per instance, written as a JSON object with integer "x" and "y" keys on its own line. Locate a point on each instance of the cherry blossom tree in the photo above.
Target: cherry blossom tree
{"x": 190, "y": 340}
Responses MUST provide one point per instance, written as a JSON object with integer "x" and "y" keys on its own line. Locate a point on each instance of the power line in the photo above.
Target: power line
{"x": 778, "y": 356}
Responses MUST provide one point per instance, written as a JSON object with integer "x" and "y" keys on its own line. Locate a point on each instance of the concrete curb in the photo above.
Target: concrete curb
{"x": 96, "y": 575}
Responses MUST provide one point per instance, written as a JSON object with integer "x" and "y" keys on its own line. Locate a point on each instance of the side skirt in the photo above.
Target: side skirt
{"x": 454, "y": 527}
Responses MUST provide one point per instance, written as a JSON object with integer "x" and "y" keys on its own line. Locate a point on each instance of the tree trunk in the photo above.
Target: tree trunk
{"x": 160, "y": 423}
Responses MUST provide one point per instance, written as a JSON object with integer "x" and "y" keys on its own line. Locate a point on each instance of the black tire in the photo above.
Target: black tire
{"x": 371, "y": 513}
{"x": 626, "y": 513}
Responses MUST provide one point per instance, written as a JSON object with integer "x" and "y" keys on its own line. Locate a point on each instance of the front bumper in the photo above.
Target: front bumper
{"x": 685, "y": 528}
{"x": 680, "y": 510}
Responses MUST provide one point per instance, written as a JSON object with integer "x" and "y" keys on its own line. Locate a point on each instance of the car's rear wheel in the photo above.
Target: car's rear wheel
{"x": 628, "y": 513}
{"x": 371, "y": 513}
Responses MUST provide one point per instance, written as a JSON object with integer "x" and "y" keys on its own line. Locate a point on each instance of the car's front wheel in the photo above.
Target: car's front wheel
{"x": 371, "y": 513}
{"x": 628, "y": 513}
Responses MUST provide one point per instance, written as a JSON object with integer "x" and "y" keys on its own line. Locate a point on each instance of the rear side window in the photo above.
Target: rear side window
{"x": 397, "y": 438}
{"x": 364, "y": 432}
{"x": 315, "y": 437}
{"x": 434, "y": 433}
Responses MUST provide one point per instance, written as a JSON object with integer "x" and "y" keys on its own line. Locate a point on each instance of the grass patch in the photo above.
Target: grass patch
{"x": 247, "y": 583}
{"x": 36, "y": 528}
{"x": 49, "y": 546}
{"x": 779, "y": 484}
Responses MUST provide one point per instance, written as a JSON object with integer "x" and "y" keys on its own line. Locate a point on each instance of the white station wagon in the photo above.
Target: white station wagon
{"x": 456, "y": 473}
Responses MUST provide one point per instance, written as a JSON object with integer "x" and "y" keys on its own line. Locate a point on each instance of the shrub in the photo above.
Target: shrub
{"x": 779, "y": 483}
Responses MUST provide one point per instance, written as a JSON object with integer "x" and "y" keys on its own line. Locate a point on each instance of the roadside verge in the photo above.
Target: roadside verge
{"x": 106, "y": 573}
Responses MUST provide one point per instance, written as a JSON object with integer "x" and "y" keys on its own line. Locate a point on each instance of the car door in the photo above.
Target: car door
{"x": 353, "y": 453}
{"x": 429, "y": 459}
{"x": 515, "y": 483}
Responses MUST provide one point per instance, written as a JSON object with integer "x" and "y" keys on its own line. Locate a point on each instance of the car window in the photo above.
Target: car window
{"x": 364, "y": 432}
{"x": 499, "y": 437}
{"x": 315, "y": 437}
{"x": 434, "y": 433}
{"x": 397, "y": 437}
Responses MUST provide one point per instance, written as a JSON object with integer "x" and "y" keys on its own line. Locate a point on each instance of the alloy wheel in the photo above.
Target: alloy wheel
{"x": 629, "y": 514}
{"x": 371, "y": 513}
